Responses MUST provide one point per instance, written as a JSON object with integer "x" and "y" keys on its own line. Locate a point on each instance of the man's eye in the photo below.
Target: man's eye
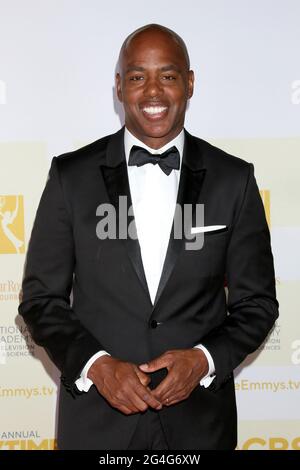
{"x": 169, "y": 77}
{"x": 136, "y": 78}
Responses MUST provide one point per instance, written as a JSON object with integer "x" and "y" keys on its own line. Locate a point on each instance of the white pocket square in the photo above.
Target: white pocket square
{"x": 208, "y": 228}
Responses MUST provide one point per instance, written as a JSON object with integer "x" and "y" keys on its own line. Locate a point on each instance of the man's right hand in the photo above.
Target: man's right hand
{"x": 123, "y": 385}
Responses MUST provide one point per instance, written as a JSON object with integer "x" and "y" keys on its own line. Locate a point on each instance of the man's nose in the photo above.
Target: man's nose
{"x": 153, "y": 87}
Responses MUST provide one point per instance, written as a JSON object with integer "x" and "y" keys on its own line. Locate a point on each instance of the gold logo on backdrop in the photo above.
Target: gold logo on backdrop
{"x": 271, "y": 443}
{"x": 265, "y": 195}
{"x": 12, "y": 225}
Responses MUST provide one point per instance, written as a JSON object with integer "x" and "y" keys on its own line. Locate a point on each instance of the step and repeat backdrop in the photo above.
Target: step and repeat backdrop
{"x": 57, "y": 93}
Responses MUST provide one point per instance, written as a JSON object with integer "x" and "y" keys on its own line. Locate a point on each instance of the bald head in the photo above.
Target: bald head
{"x": 161, "y": 33}
{"x": 154, "y": 83}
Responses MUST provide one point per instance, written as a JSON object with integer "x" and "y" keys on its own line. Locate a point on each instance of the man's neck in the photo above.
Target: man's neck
{"x": 156, "y": 143}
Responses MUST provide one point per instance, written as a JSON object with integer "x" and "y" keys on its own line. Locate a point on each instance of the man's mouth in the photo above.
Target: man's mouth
{"x": 154, "y": 112}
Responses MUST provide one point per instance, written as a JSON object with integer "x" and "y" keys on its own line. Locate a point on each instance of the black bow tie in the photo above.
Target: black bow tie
{"x": 168, "y": 160}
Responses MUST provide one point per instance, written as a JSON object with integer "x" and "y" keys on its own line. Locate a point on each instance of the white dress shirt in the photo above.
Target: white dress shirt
{"x": 154, "y": 196}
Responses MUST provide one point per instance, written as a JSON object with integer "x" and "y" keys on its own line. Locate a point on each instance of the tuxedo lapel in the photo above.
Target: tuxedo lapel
{"x": 190, "y": 184}
{"x": 115, "y": 176}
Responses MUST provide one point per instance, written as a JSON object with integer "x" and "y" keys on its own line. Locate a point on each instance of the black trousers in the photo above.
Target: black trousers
{"x": 149, "y": 434}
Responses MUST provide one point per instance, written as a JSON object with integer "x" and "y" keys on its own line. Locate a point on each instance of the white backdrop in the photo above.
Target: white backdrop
{"x": 57, "y": 64}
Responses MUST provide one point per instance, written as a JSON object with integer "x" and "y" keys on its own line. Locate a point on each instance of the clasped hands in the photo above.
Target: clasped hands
{"x": 125, "y": 385}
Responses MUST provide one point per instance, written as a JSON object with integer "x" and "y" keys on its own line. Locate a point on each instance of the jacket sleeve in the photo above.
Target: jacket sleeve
{"x": 47, "y": 285}
{"x": 252, "y": 305}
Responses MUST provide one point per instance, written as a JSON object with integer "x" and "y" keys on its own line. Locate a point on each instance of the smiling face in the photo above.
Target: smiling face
{"x": 154, "y": 84}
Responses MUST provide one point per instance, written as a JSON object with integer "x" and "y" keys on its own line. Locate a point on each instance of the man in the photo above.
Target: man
{"x": 148, "y": 348}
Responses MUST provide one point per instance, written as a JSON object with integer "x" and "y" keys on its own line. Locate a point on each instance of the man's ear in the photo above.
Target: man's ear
{"x": 191, "y": 79}
{"x": 118, "y": 87}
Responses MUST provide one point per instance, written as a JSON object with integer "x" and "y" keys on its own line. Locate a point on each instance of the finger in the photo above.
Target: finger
{"x": 137, "y": 402}
{"x": 144, "y": 378}
{"x": 125, "y": 410}
{"x": 171, "y": 401}
{"x": 146, "y": 395}
{"x": 139, "y": 397}
{"x": 122, "y": 399}
{"x": 121, "y": 404}
{"x": 177, "y": 392}
{"x": 157, "y": 363}
{"x": 166, "y": 388}
{"x": 176, "y": 396}
{"x": 170, "y": 394}
{"x": 173, "y": 395}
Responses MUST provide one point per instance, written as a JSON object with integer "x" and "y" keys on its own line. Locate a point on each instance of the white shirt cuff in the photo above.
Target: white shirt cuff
{"x": 209, "y": 377}
{"x": 84, "y": 383}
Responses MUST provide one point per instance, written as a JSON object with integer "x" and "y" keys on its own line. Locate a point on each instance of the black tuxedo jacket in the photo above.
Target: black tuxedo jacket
{"x": 111, "y": 306}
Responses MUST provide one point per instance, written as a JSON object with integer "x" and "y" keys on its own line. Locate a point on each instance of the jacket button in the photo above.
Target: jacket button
{"x": 153, "y": 323}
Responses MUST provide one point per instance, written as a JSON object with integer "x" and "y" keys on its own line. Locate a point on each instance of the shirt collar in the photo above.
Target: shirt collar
{"x": 130, "y": 140}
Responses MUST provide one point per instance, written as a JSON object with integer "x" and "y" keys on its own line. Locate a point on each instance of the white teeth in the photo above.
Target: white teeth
{"x": 154, "y": 109}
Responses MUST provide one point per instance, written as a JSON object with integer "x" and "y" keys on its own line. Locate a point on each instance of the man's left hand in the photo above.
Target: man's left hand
{"x": 186, "y": 367}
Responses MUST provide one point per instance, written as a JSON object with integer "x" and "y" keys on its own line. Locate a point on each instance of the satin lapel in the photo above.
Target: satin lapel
{"x": 115, "y": 176}
{"x": 190, "y": 184}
